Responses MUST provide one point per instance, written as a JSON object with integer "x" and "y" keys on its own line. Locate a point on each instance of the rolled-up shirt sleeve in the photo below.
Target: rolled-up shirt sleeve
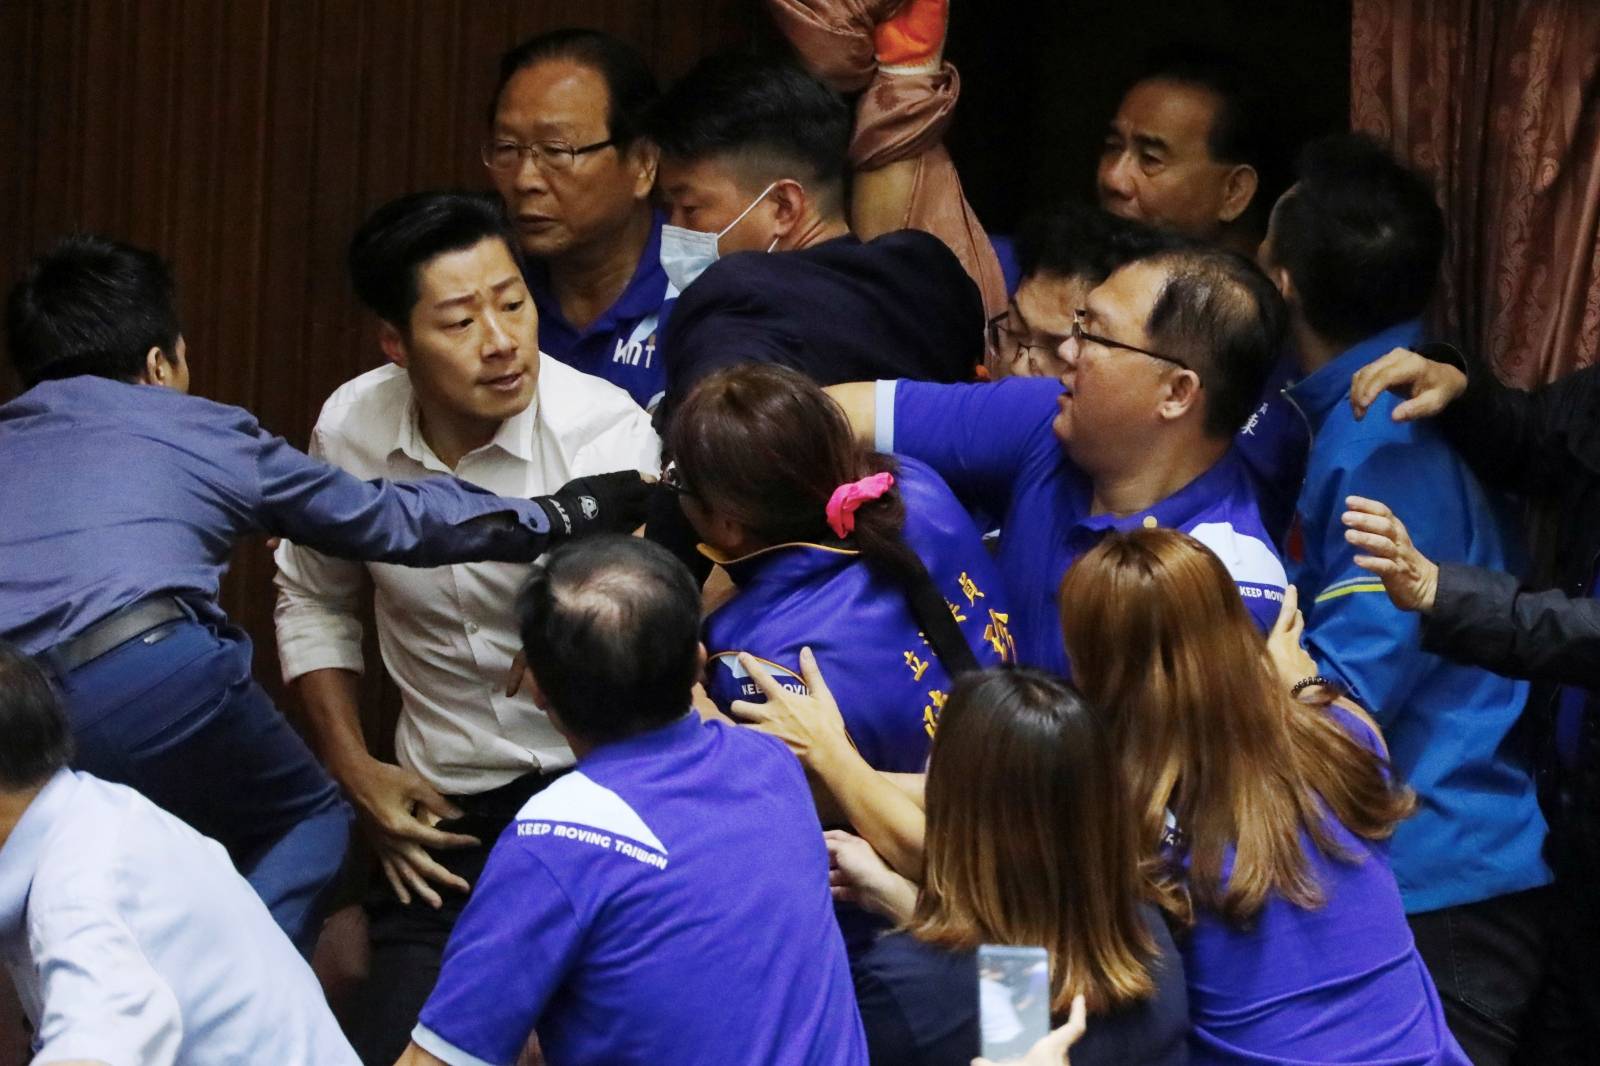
{"x": 430, "y": 522}
{"x": 102, "y": 1001}
{"x": 318, "y": 615}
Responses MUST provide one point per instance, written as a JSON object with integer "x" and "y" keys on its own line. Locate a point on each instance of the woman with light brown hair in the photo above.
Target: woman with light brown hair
{"x": 1029, "y": 843}
{"x": 1263, "y": 803}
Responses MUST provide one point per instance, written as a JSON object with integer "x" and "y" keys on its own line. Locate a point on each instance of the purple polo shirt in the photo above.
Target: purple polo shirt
{"x": 665, "y": 903}
{"x": 993, "y": 444}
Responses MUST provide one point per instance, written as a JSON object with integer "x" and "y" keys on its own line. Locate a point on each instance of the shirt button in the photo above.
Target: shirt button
{"x": 1150, "y": 521}
{"x": 472, "y": 627}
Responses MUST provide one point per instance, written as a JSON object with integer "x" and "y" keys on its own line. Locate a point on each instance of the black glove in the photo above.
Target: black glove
{"x": 600, "y": 503}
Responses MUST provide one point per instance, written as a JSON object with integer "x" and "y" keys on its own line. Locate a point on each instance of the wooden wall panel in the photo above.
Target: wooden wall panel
{"x": 245, "y": 140}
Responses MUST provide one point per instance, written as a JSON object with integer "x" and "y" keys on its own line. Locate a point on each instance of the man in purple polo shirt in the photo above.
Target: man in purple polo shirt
{"x": 1163, "y": 367}
{"x": 606, "y": 919}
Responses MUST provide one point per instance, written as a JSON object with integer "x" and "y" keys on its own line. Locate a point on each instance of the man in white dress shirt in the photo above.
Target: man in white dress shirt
{"x": 130, "y": 937}
{"x": 468, "y": 393}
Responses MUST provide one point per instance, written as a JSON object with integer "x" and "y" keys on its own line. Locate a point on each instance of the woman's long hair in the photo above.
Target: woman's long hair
{"x": 1159, "y": 637}
{"x": 765, "y": 446}
{"x": 1030, "y": 840}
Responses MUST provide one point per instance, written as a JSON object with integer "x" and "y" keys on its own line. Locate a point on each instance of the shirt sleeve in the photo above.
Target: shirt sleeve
{"x": 1490, "y": 619}
{"x": 1353, "y": 631}
{"x": 430, "y": 522}
{"x": 101, "y": 999}
{"x": 318, "y": 614}
{"x": 978, "y": 438}
{"x": 507, "y": 955}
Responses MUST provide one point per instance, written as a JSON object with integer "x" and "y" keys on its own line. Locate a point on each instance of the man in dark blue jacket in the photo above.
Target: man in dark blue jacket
{"x": 752, "y": 162}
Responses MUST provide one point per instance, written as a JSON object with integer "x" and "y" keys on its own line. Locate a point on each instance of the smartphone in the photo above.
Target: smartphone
{"x": 1013, "y": 999}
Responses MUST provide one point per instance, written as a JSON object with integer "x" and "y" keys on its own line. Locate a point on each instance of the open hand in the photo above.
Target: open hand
{"x": 810, "y": 725}
{"x": 1428, "y": 385}
{"x": 1410, "y": 578}
{"x": 399, "y": 811}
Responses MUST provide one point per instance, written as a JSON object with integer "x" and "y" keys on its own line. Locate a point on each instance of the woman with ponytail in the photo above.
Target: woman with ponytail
{"x": 1264, "y": 804}
{"x": 865, "y": 559}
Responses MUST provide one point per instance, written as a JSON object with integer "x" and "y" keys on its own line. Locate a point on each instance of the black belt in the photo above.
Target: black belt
{"x": 115, "y": 629}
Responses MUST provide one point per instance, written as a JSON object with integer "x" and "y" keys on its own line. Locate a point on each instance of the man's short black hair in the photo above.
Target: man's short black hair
{"x": 1361, "y": 236}
{"x": 1217, "y": 311}
{"x": 630, "y": 84}
{"x": 1081, "y": 241}
{"x": 401, "y": 237}
{"x": 611, "y": 632}
{"x": 37, "y": 741}
{"x": 91, "y": 305}
{"x": 766, "y": 116}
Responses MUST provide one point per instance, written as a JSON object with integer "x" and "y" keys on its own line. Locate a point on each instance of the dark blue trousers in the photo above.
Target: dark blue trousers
{"x": 177, "y": 715}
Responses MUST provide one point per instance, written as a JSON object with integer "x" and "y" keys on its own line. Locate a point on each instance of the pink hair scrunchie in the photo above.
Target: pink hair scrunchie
{"x": 848, "y": 498}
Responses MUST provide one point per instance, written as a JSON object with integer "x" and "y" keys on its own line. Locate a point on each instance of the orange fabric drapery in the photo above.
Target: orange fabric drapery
{"x": 1498, "y": 101}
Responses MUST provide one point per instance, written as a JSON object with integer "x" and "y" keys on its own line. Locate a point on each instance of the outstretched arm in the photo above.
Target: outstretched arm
{"x": 1525, "y": 442}
{"x": 1475, "y": 615}
{"x": 881, "y": 810}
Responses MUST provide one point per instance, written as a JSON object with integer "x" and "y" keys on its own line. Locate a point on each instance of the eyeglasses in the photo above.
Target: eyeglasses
{"x": 1080, "y": 335}
{"x": 1008, "y": 343}
{"x": 505, "y": 156}
{"x": 673, "y": 481}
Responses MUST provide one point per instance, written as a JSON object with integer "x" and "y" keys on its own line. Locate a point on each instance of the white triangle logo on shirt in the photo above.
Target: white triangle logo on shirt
{"x": 577, "y": 800}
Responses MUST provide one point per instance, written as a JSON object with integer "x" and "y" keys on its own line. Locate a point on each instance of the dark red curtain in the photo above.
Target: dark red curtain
{"x": 1497, "y": 100}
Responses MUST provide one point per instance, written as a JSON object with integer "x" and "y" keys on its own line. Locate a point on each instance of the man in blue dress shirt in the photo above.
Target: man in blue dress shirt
{"x": 129, "y": 937}
{"x": 1355, "y": 246}
{"x": 124, "y": 499}
{"x": 1162, "y": 369}
{"x": 666, "y": 902}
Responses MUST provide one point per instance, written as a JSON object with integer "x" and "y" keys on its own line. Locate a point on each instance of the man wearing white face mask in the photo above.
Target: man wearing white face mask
{"x": 753, "y": 156}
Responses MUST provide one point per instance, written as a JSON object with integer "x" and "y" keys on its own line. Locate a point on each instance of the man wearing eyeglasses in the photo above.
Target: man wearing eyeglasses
{"x": 1162, "y": 366}
{"x": 566, "y": 156}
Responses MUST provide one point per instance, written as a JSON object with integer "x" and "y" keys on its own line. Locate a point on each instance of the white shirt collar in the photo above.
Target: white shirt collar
{"x": 514, "y": 437}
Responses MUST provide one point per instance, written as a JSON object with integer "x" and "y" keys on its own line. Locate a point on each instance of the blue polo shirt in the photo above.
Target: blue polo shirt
{"x": 665, "y": 903}
{"x": 621, "y": 345}
{"x": 994, "y": 445}
{"x": 889, "y": 683}
{"x": 1478, "y": 831}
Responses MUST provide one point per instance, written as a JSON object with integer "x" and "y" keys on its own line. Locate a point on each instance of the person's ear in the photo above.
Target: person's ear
{"x": 700, "y": 660}
{"x": 1180, "y": 395}
{"x": 1238, "y": 189}
{"x": 1283, "y": 282}
{"x": 537, "y": 693}
{"x": 789, "y": 204}
{"x": 393, "y": 344}
{"x": 157, "y": 369}
{"x": 641, "y": 159}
